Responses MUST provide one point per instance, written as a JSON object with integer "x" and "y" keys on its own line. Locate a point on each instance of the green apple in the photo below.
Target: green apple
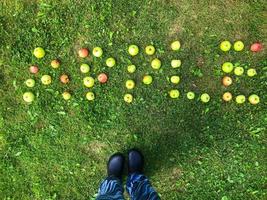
{"x": 156, "y": 63}
{"x": 174, "y": 94}
{"x": 227, "y": 67}
{"x": 251, "y": 72}
{"x": 240, "y": 99}
{"x": 131, "y": 68}
{"x": 147, "y": 79}
{"x": 85, "y": 68}
{"x": 46, "y": 79}
{"x": 190, "y": 95}
{"x": 97, "y": 52}
{"x": 175, "y": 46}
{"x": 239, "y": 46}
{"x": 205, "y": 98}
{"x": 239, "y": 71}
{"x": 128, "y": 98}
{"x": 225, "y": 46}
{"x": 175, "y": 79}
{"x": 89, "y": 81}
{"x": 110, "y": 62}
{"x": 227, "y": 96}
{"x": 90, "y": 96}
{"x": 66, "y": 96}
{"x": 30, "y": 82}
{"x": 39, "y": 52}
{"x": 28, "y": 97}
{"x": 176, "y": 63}
{"x": 254, "y": 99}
{"x": 130, "y": 84}
{"x": 133, "y": 50}
{"x": 150, "y": 50}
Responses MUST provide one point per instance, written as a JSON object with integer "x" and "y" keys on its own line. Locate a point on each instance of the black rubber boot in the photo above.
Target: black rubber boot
{"x": 135, "y": 161}
{"x": 116, "y": 165}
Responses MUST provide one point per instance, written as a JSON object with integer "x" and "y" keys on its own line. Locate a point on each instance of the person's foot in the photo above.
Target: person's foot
{"x": 135, "y": 161}
{"x": 116, "y": 165}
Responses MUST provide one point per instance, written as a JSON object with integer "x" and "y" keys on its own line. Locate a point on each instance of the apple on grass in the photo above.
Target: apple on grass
{"x": 225, "y": 45}
{"x": 128, "y": 98}
{"x": 251, "y": 72}
{"x": 130, "y": 84}
{"x": 239, "y": 71}
{"x": 97, "y": 52}
{"x": 46, "y": 79}
{"x": 256, "y": 47}
{"x": 102, "y": 78}
{"x": 85, "y": 68}
{"x": 66, "y": 95}
{"x": 39, "y": 52}
{"x": 34, "y": 69}
{"x": 28, "y": 97}
{"x": 90, "y": 96}
{"x": 176, "y": 45}
{"x": 240, "y": 99}
{"x": 227, "y": 96}
{"x": 175, "y": 79}
{"x": 156, "y": 63}
{"x": 227, "y": 67}
{"x": 110, "y": 62}
{"x": 176, "y": 63}
{"x": 64, "y": 78}
{"x": 131, "y": 68}
{"x": 227, "y": 81}
{"x": 239, "y": 46}
{"x": 254, "y": 99}
{"x": 83, "y": 52}
{"x": 150, "y": 50}
{"x": 174, "y": 94}
{"x": 205, "y": 98}
{"x": 133, "y": 50}
{"x": 89, "y": 81}
{"x": 190, "y": 95}
{"x": 30, "y": 82}
{"x": 147, "y": 79}
{"x": 55, "y": 63}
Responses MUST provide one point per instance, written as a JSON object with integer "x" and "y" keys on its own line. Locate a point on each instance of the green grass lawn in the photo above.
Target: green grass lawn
{"x": 57, "y": 149}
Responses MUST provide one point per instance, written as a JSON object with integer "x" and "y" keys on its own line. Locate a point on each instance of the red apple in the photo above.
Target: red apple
{"x": 256, "y": 47}
{"x": 227, "y": 81}
{"x": 102, "y": 78}
{"x": 64, "y": 78}
{"x": 34, "y": 69}
{"x": 83, "y": 52}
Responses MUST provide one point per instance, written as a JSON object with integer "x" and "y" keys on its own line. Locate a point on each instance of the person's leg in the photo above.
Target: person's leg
{"x": 111, "y": 188}
{"x": 138, "y": 186}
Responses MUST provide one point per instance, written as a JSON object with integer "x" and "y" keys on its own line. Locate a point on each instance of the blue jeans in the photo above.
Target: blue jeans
{"x": 137, "y": 186}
